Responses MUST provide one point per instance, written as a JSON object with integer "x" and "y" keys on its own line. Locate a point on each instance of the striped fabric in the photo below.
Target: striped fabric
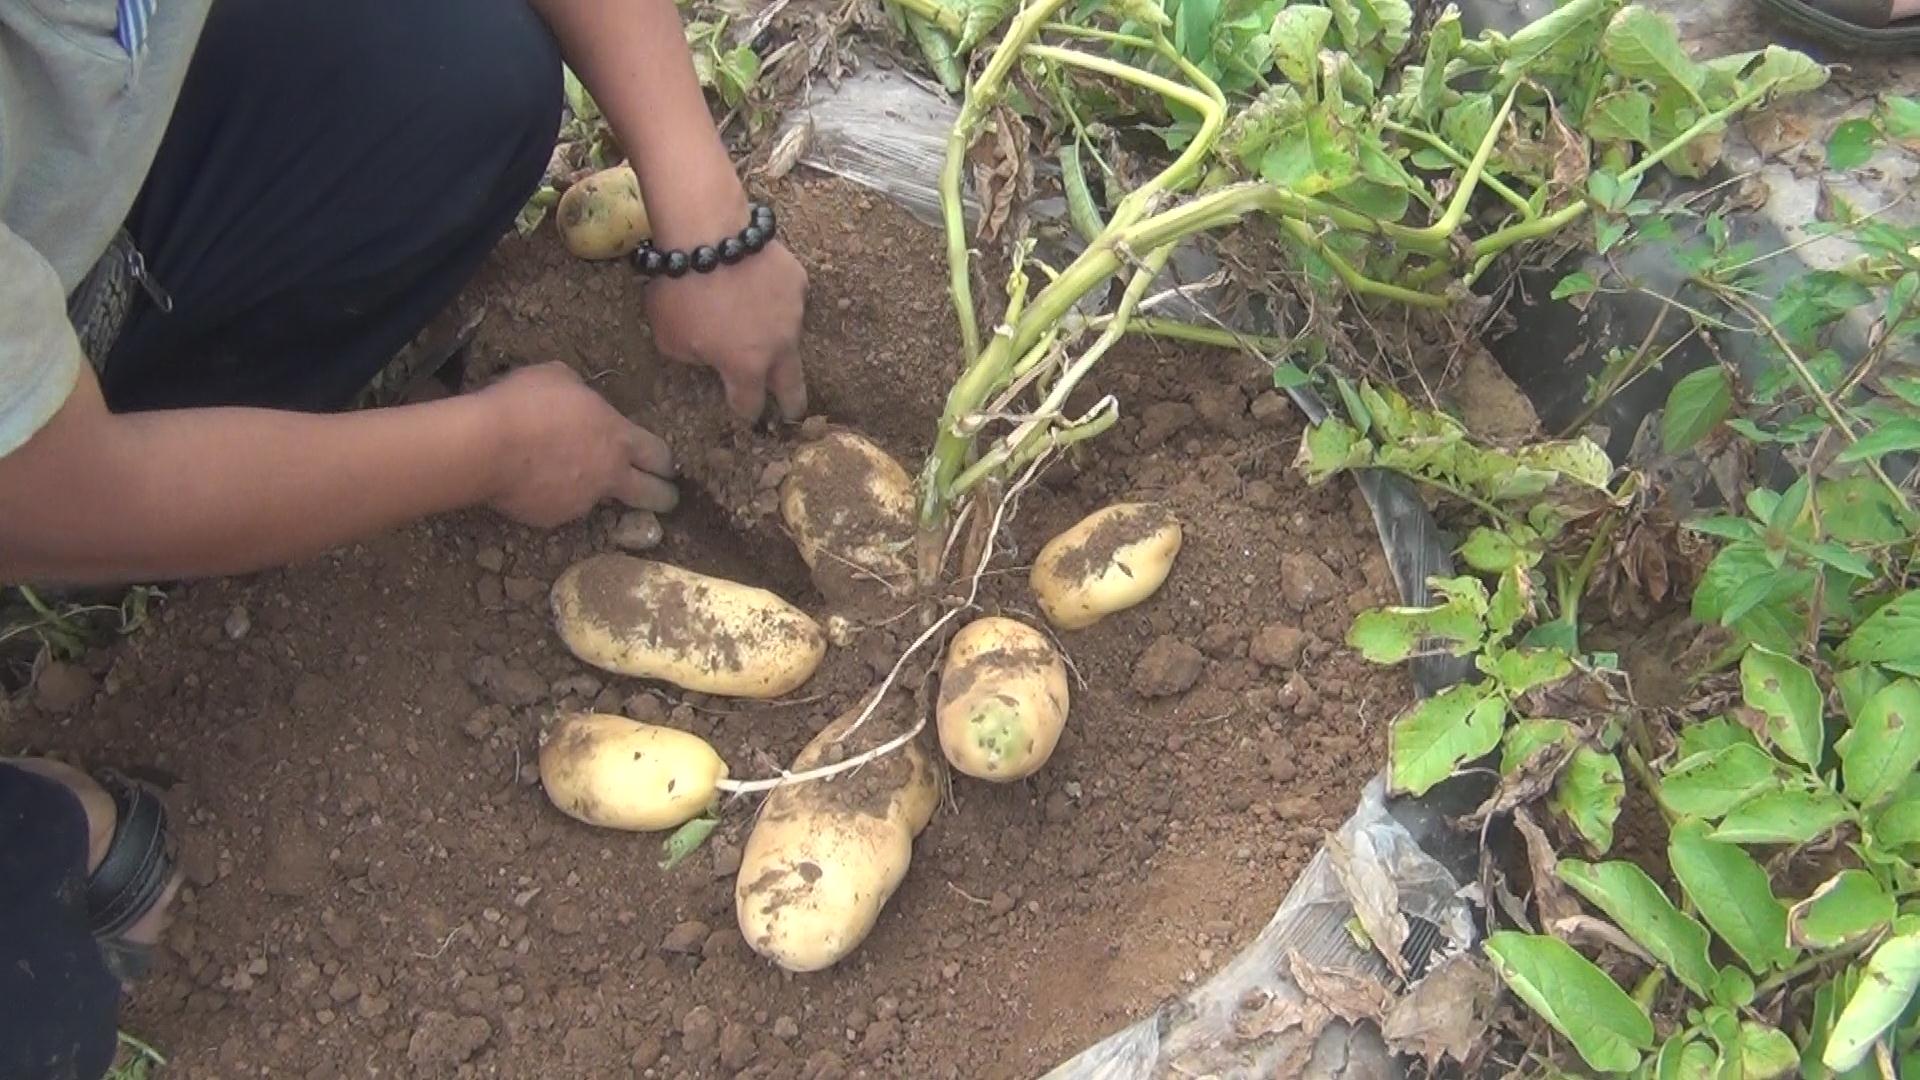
{"x": 134, "y": 17}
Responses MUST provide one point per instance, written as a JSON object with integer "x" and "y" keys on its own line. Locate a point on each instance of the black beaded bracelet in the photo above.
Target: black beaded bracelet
{"x": 653, "y": 262}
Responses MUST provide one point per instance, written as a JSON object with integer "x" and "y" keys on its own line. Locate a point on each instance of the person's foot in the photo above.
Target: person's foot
{"x": 1859, "y": 25}
{"x": 138, "y": 937}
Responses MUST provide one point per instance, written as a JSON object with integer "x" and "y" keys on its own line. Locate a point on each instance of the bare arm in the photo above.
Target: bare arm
{"x": 95, "y": 497}
{"x": 743, "y": 320}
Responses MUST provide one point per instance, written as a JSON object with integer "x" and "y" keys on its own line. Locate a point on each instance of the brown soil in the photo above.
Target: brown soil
{"x": 377, "y": 884}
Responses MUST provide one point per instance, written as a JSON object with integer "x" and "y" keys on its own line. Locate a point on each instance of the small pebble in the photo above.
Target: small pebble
{"x": 637, "y": 530}
{"x": 238, "y": 623}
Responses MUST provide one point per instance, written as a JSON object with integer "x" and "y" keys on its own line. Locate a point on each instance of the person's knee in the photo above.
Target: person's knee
{"x": 515, "y": 94}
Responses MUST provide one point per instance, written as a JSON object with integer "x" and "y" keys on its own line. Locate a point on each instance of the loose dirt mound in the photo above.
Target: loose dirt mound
{"x": 379, "y": 885}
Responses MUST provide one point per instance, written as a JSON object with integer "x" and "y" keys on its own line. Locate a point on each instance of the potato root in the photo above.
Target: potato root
{"x": 1003, "y": 700}
{"x": 1111, "y": 560}
{"x": 603, "y": 216}
{"x": 849, "y": 507}
{"x": 646, "y": 619}
{"x": 622, "y": 774}
{"x": 825, "y": 855}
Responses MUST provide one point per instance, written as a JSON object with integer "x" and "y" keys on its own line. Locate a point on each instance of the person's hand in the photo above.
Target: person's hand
{"x": 564, "y": 450}
{"x": 743, "y": 321}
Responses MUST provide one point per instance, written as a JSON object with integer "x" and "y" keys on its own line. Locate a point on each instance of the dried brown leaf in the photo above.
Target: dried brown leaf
{"x": 1350, "y": 995}
{"x": 1571, "y": 162}
{"x": 1375, "y": 899}
{"x": 1262, "y": 1015}
{"x": 1002, "y": 177}
{"x": 788, "y": 150}
{"x": 1446, "y": 1014}
{"x": 1585, "y": 929}
{"x": 1551, "y": 900}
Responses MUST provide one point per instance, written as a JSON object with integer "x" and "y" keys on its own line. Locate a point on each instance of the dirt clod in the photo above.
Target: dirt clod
{"x": 442, "y": 1041}
{"x": 686, "y": 939}
{"x": 1278, "y": 645}
{"x": 736, "y": 1046}
{"x": 1307, "y": 581}
{"x": 514, "y": 686}
{"x": 699, "y": 1030}
{"x": 1168, "y": 667}
{"x": 63, "y": 687}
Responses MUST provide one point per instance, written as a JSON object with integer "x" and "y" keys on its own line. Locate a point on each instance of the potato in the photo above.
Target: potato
{"x": 850, "y": 509}
{"x": 603, "y": 217}
{"x": 622, "y": 774}
{"x": 1003, "y": 700}
{"x": 825, "y": 855}
{"x": 1113, "y": 559}
{"x": 643, "y": 618}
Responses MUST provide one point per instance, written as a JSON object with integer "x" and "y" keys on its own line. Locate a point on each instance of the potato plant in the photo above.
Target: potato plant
{"x": 1395, "y": 166}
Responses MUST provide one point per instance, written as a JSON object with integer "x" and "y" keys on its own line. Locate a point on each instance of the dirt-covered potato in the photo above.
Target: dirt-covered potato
{"x": 653, "y": 621}
{"x": 602, "y": 216}
{"x": 1003, "y": 699}
{"x": 622, "y": 774}
{"x": 849, "y": 507}
{"x": 825, "y": 855}
{"x": 1111, "y": 560}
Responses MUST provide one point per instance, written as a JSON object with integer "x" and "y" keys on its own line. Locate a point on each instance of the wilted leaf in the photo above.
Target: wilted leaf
{"x": 1445, "y": 1014}
{"x": 1001, "y": 174}
{"x": 1901, "y": 116}
{"x": 1605, "y": 1025}
{"x": 1844, "y": 908}
{"x": 1887, "y": 985}
{"x": 1630, "y": 898}
{"x": 1352, "y": 996}
{"x": 1375, "y": 896}
{"x": 1589, "y": 794}
{"x": 1524, "y": 740}
{"x": 1427, "y": 742}
{"x": 1391, "y": 635}
{"x": 1730, "y": 891}
{"x": 1785, "y": 693}
{"x": 1296, "y": 35}
{"x": 1552, "y": 903}
{"x": 1882, "y": 748}
{"x": 1643, "y": 44}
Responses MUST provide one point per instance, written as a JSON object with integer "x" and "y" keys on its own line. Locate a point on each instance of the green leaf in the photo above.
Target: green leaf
{"x": 1296, "y": 35}
{"x": 1789, "y": 72}
{"x": 1892, "y": 974}
{"x": 1492, "y": 551}
{"x": 1773, "y": 621}
{"x": 1467, "y": 121}
{"x": 1851, "y": 144}
{"x": 1427, "y": 742}
{"x": 1889, "y": 635}
{"x": 1624, "y": 115}
{"x": 1787, "y": 816}
{"x": 685, "y": 840}
{"x": 1516, "y": 671}
{"x": 1785, "y": 693}
{"x": 1683, "y": 1059}
{"x": 1901, "y": 116}
{"x": 1765, "y": 1052}
{"x": 1625, "y": 894}
{"x": 1883, "y": 747}
{"x": 1509, "y": 604}
{"x": 1643, "y": 44}
{"x": 1846, "y": 907}
{"x": 1193, "y": 22}
{"x": 1898, "y": 823}
{"x": 1608, "y": 232}
{"x": 1858, "y": 510}
{"x": 1526, "y": 739}
{"x": 1290, "y": 377}
{"x": 1731, "y": 893}
{"x": 1588, "y": 795}
{"x": 1710, "y": 785}
{"x": 1330, "y": 447}
{"x": 1696, "y": 405}
{"x": 1857, "y": 685}
{"x": 1711, "y": 734}
{"x": 1578, "y": 283}
{"x": 1893, "y": 437}
{"x": 1835, "y": 557}
{"x": 1582, "y": 1002}
{"x": 1391, "y": 635}
{"x": 1726, "y": 527}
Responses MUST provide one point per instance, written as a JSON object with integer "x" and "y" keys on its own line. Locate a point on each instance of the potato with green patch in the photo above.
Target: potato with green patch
{"x": 650, "y": 620}
{"x": 849, "y": 507}
{"x": 622, "y": 774}
{"x": 603, "y": 216}
{"x": 1111, "y": 560}
{"x": 825, "y": 855}
{"x": 1003, "y": 700}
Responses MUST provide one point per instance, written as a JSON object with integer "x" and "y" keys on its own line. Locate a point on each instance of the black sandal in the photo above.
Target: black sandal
{"x": 138, "y": 869}
{"x": 1864, "y": 26}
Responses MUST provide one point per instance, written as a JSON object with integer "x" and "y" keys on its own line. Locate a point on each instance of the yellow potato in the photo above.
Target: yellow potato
{"x": 849, "y": 507}
{"x": 622, "y": 774}
{"x": 1003, "y": 700}
{"x": 1113, "y": 559}
{"x": 825, "y": 855}
{"x": 603, "y": 217}
{"x": 653, "y": 621}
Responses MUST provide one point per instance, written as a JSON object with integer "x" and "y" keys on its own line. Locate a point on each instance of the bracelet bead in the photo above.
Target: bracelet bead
{"x": 732, "y": 250}
{"x": 677, "y": 264}
{"x": 655, "y": 262}
{"x": 703, "y": 259}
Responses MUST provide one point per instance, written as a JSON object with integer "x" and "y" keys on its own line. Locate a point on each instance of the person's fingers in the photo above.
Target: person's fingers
{"x": 650, "y": 453}
{"x": 789, "y": 382}
{"x": 746, "y": 392}
{"x": 645, "y": 491}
